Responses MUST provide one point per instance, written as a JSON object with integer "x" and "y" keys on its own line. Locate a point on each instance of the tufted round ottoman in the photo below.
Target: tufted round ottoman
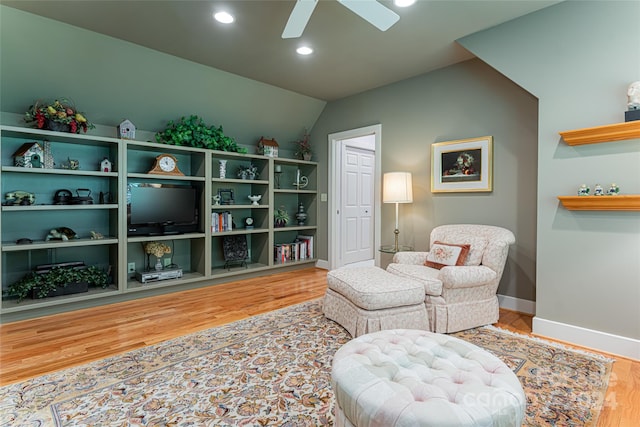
{"x": 407, "y": 377}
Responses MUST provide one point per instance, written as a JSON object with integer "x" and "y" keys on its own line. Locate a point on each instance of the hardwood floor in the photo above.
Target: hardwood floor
{"x": 38, "y": 346}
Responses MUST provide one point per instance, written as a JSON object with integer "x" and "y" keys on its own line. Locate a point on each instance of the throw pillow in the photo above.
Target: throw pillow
{"x": 444, "y": 254}
{"x": 478, "y": 245}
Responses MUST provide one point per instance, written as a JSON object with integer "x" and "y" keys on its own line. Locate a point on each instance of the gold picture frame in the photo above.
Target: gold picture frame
{"x": 463, "y": 165}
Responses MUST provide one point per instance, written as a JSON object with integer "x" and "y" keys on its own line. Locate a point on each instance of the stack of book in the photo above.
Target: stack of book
{"x": 301, "y": 249}
{"x": 221, "y": 221}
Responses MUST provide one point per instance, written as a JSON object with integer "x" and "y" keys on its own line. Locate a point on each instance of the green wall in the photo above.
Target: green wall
{"x": 111, "y": 80}
{"x": 579, "y": 58}
{"x": 461, "y": 101}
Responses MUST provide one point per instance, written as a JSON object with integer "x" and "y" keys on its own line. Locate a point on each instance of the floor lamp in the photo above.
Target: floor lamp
{"x": 396, "y": 188}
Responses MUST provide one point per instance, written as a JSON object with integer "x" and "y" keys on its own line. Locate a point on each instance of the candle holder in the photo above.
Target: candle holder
{"x": 276, "y": 178}
{"x": 301, "y": 181}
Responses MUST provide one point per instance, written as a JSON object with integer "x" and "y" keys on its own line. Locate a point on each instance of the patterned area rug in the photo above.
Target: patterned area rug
{"x": 274, "y": 369}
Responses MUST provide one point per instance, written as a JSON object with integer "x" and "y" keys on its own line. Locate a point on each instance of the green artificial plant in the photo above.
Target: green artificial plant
{"x": 280, "y": 217}
{"x": 44, "y": 283}
{"x": 193, "y": 132}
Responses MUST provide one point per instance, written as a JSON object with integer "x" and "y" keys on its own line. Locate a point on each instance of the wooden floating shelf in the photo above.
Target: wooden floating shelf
{"x": 625, "y": 202}
{"x": 615, "y": 132}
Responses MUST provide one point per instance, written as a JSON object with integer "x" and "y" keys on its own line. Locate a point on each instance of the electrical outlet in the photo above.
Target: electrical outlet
{"x": 167, "y": 262}
{"x": 131, "y": 267}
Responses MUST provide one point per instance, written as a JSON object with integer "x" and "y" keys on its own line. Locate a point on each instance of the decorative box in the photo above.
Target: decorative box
{"x": 268, "y": 147}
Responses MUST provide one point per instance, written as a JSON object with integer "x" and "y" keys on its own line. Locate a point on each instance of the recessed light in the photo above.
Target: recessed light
{"x": 304, "y": 50}
{"x": 404, "y": 3}
{"x": 223, "y": 17}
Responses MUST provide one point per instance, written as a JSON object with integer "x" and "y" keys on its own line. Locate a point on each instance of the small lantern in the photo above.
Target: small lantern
{"x": 105, "y": 165}
{"x": 268, "y": 147}
{"x": 126, "y": 130}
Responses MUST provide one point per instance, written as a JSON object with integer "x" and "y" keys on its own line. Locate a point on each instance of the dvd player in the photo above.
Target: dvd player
{"x": 154, "y": 276}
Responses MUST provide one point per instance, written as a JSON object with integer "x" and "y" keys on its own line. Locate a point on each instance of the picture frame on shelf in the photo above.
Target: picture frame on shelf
{"x": 464, "y": 165}
{"x": 226, "y": 196}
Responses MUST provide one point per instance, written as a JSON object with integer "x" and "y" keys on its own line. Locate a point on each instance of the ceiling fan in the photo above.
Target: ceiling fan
{"x": 370, "y": 10}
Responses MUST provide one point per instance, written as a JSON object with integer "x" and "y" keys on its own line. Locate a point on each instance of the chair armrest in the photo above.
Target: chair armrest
{"x": 466, "y": 276}
{"x": 410, "y": 257}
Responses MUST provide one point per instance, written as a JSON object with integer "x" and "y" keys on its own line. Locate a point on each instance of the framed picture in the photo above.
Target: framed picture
{"x": 226, "y": 196}
{"x": 464, "y": 165}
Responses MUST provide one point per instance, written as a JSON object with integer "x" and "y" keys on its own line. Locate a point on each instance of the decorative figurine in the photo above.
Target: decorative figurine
{"x": 598, "y": 190}
{"x": 61, "y": 233}
{"x": 95, "y": 235}
{"x": 127, "y": 130}
{"x": 71, "y": 164}
{"x": 613, "y": 190}
{"x": 633, "y": 102}
{"x": 583, "y": 190}
{"x": 634, "y": 96}
{"x": 216, "y": 199}
{"x": 105, "y": 165}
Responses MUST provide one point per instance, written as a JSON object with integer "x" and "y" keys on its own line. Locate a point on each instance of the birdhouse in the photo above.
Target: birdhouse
{"x": 105, "y": 165}
{"x": 29, "y": 155}
{"x": 268, "y": 147}
{"x": 126, "y": 130}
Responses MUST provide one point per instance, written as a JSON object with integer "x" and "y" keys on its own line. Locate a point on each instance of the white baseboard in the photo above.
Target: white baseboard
{"x": 603, "y": 341}
{"x": 321, "y": 263}
{"x": 517, "y": 304}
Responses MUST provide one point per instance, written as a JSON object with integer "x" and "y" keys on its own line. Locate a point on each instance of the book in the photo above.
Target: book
{"x": 309, "y": 242}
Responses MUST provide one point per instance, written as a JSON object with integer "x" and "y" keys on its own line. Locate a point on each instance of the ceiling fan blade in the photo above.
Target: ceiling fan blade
{"x": 298, "y": 19}
{"x": 375, "y": 13}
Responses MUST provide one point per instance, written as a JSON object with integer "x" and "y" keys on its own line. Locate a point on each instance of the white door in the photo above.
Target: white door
{"x": 357, "y": 203}
{"x": 346, "y": 243}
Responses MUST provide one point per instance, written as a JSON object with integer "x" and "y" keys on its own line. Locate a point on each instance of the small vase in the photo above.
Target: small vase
{"x": 223, "y": 169}
{"x": 158, "y": 264}
{"x": 301, "y": 215}
{"x": 306, "y": 156}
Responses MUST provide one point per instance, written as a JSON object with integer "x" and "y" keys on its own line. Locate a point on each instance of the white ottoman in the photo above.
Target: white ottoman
{"x": 369, "y": 299}
{"x": 418, "y": 378}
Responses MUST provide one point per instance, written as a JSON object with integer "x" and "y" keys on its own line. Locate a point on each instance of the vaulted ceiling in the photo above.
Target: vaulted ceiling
{"x": 350, "y": 55}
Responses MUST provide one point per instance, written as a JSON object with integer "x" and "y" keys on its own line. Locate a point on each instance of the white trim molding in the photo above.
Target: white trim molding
{"x": 322, "y": 263}
{"x": 597, "y": 340}
{"x": 517, "y": 304}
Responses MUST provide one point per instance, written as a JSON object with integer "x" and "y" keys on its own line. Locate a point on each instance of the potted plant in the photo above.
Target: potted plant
{"x": 280, "y": 217}
{"x": 59, "y": 115}
{"x": 192, "y": 131}
{"x": 58, "y": 281}
{"x": 303, "y": 147}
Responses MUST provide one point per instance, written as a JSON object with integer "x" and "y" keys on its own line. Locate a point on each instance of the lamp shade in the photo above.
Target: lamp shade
{"x": 397, "y": 188}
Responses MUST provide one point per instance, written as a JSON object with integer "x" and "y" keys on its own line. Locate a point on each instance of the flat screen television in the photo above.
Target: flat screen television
{"x": 159, "y": 209}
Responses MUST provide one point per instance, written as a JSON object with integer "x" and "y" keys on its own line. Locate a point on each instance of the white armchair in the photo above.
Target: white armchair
{"x": 460, "y": 297}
